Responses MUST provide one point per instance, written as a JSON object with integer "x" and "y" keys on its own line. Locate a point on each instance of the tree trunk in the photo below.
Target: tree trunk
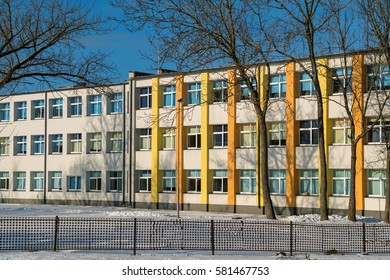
{"x": 352, "y": 191}
{"x": 387, "y": 206}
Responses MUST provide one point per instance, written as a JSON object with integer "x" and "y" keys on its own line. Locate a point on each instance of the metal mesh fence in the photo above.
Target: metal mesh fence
{"x": 66, "y": 233}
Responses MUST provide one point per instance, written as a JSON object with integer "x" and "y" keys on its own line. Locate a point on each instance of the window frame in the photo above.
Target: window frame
{"x": 4, "y": 146}
{"x": 76, "y": 106}
{"x": 95, "y": 138}
{"x": 57, "y": 109}
{"x": 5, "y": 112}
{"x": 345, "y": 128}
{"x": 248, "y": 175}
{"x": 220, "y": 91}
{"x": 18, "y": 177}
{"x": 277, "y": 81}
{"x": 37, "y": 179}
{"x": 220, "y": 181}
{"x": 196, "y": 136}
{"x": 345, "y": 179}
{"x": 305, "y": 78}
{"x": 145, "y": 136}
{"x": 169, "y": 96}
{"x": 113, "y": 139}
{"x": 245, "y": 94}
{"x": 78, "y": 184}
{"x": 38, "y": 109}
{"x": 279, "y": 176}
{"x": 381, "y": 179}
{"x": 169, "y": 138}
{"x": 252, "y": 132}
{"x": 145, "y": 175}
{"x": 114, "y": 179}
{"x": 343, "y": 77}
{"x": 382, "y": 127}
{"x": 4, "y": 180}
{"x": 194, "y": 95}
{"x": 194, "y": 181}
{"x": 313, "y": 140}
{"x": 95, "y": 105}
{"x": 223, "y": 134}
{"x": 55, "y": 178}
{"x": 116, "y": 103}
{"x": 280, "y": 131}
{"x": 375, "y": 71}
{"x": 94, "y": 181}
{"x": 38, "y": 144}
{"x": 169, "y": 176}
{"x": 21, "y": 145}
{"x": 56, "y": 141}
{"x": 21, "y": 111}
{"x": 75, "y": 140}
{"x": 145, "y": 93}
{"x": 312, "y": 179}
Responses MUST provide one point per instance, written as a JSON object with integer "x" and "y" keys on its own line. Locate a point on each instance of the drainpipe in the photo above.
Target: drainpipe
{"x": 124, "y": 145}
{"x": 131, "y": 104}
{"x": 45, "y": 151}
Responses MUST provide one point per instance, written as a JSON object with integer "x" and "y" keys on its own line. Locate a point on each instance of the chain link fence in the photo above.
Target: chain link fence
{"x": 67, "y": 233}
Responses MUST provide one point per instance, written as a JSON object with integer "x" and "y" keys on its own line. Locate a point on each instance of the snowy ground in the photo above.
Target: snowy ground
{"x": 15, "y": 210}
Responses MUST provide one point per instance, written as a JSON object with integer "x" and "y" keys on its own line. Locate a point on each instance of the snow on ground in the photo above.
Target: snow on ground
{"x": 19, "y": 210}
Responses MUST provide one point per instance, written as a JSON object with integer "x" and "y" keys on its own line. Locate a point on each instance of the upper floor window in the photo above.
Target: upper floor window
{"x": 145, "y": 180}
{"x": 341, "y": 80}
{"x": 169, "y": 94}
{"x": 376, "y": 182}
{"x": 75, "y": 143}
{"x": 245, "y": 93}
{"x": 116, "y": 102}
{"x": 306, "y": 85}
{"x": 94, "y": 142}
{"x": 378, "y": 77}
{"x": 308, "y": 132}
{"x": 277, "y": 87}
{"x": 248, "y": 135}
{"x": 145, "y": 139}
{"x": 114, "y": 142}
{"x": 277, "y": 134}
{"x": 380, "y": 131}
{"x": 193, "y": 181}
{"x": 21, "y": 145}
{"x": 5, "y": 112}
{"x": 194, "y": 137}
{"x": 145, "y": 98}
{"x": 76, "y": 106}
{"x": 4, "y": 146}
{"x": 21, "y": 110}
{"x": 169, "y": 138}
{"x": 248, "y": 181}
{"x": 341, "y": 132}
{"x": 194, "y": 93}
{"x": 39, "y": 109}
{"x": 277, "y": 181}
{"x": 220, "y": 136}
{"x": 56, "y": 144}
{"x": 308, "y": 181}
{"x": 220, "y": 181}
{"x": 341, "y": 182}
{"x": 94, "y": 105}
{"x": 38, "y": 144}
{"x": 56, "y": 107}
{"x": 220, "y": 91}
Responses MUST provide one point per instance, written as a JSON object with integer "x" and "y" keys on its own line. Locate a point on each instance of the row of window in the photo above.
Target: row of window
{"x": 55, "y": 181}
{"x": 308, "y": 181}
{"x": 56, "y": 107}
{"x": 56, "y": 143}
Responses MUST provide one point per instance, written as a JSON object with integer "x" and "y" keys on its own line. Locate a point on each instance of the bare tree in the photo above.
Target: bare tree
{"x": 41, "y": 42}
{"x": 203, "y": 33}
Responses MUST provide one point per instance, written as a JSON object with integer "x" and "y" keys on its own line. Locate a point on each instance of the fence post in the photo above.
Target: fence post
{"x": 212, "y": 236}
{"x": 135, "y": 237}
{"x": 364, "y": 237}
{"x": 291, "y": 238}
{"x": 56, "y": 222}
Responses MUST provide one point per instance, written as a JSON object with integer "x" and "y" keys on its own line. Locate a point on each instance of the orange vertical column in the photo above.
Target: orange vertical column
{"x": 291, "y": 137}
{"x": 232, "y": 138}
{"x": 358, "y": 118}
{"x": 180, "y": 136}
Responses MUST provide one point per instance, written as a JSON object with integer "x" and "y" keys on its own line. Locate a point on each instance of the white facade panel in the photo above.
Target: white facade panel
{"x": 306, "y": 108}
{"x": 246, "y": 158}
{"x": 218, "y": 158}
{"x": 192, "y": 159}
{"x": 218, "y": 114}
{"x": 277, "y": 158}
{"x": 307, "y": 157}
{"x": 340, "y": 157}
{"x": 167, "y": 159}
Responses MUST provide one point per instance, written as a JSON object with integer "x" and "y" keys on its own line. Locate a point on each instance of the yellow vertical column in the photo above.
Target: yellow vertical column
{"x": 325, "y": 80}
{"x": 206, "y": 133}
{"x": 180, "y": 174}
{"x": 232, "y": 138}
{"x": 358, "y": 118}
{"x": 292, "y": 182}
{"x": 156, "y": 141}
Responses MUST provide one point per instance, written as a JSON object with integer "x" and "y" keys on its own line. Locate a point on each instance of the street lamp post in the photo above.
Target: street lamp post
{"x": 180, "y": 102}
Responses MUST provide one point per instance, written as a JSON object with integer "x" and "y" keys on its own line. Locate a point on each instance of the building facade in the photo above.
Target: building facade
{"x": 193, "y": 137}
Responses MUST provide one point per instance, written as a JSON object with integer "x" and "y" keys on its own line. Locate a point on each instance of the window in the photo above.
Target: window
{"x": 220, "y": 182}
{"x": 341, "y": 80}
{"x": 4, "y": 180}
{"x": 220, "y": 136}
{"x": 194, "y": 137}
{"x": 55, "y": 180}
{"x": 56, "y": 144}
{"x": 277, "y": 181}
{"x": 145, "y": 141}
{"x": 21, "y": 110}
{"x": 308, "y": 132}
{"x": 39, "y": 109}
{"x": 248, "y": 181}
{"x": 380, "y": 132}
{"x": 169, "y": 98}
{"x": 376, "y": 182}
{"x": 115, "y": 181}
{"x": 341, "y": 181}
{"x": 20, "y": 181}
{"x": 168, "y": 138}
{"x": 277, "y": 134}
{"x": 56, "y": 107}
{"x": 341, "y": 132}
{"x": 94, "y": 105}
{"x": 194, "y": 93}
{"x": 21, "y": 145}
{"x": 4, "y": 146}
{"x": 145, "y": 182}
{"x": 306, "y": 86}
{"x": 378, "y": 77}
{"x": 76, "y": 106}
{"x": 74, "y": 183}
{"x": 193, "y": 181}
{"x": 94, "y": 180}
{"x": 244, "y": 90}
{"x": 308, "y": 182}
{"x": 220, "y": 91}
{"x": 94, "y": 142}
{"x": 38, "y": 144}
{"x": 114, "y": 142}
{"x": 75, "y": 143}
{"x": 115, "y": 103}
{"x": 5, "y": 112}
{"x": 169, "y": 181}
{"x": 277, "y": 86}
{"x": 145, "y": 98}
{"x": 248, "y": 135}
{"x": 37, "y": 181}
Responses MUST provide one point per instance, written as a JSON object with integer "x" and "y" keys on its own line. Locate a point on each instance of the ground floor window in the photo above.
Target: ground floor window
{"x": 220, "y": 181}
{"x": 376, "y": 182}
{"x": 55, "y": 180}
{"x": 115, "y": 181}
{"x": 4, "y": 180}
{"x": 74, "y": 183}
{"x": 308, "y": 181}
{"x": 37, "y": 181}
{"x": 193, "y": 181}
{"x": 20, "y": 181}
{"x": 169, "y": 181}
{"x": 94, "y": 181}
{"x": 341, "y": 182}
{"x": 277, "y": 181}
{"x": 248, "y": 181}
{"x": 145, "y": 180}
